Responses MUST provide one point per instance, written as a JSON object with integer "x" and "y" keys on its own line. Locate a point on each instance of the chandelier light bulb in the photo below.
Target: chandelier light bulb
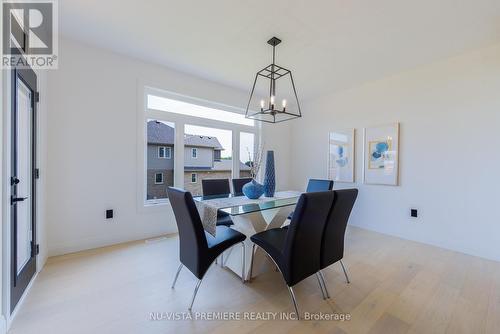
{"x": 262, "y": 104}
{"x": 283, "y": 103}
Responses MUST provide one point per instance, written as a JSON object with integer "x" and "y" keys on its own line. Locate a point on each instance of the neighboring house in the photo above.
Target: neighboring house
{"x": 202, "y": 160}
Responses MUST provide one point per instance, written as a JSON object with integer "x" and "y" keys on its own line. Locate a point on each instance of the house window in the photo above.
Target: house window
{"x": 159, "y": 178}
{"x": 164, "y": 152}
{"x": 194, "y": 178}
{"x": 194, "y": 153}
{"x": 217, "y": 155}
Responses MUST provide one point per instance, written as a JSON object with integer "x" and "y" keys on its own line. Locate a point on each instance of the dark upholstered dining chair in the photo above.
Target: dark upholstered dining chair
{"x": 296, "y": 251}
{"x": 315, "y": 185}
{"x": 238, "y": 185}
{"x": 332, "y": 244}
{"x": 215, "y": 187}
{"x": 198, "y": 249}
{"x": 319, "y": 185}
{"x": 212, "y": 187}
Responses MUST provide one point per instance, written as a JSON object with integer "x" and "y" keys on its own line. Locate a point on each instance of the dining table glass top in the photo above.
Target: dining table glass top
{"x": 239, "y": 205}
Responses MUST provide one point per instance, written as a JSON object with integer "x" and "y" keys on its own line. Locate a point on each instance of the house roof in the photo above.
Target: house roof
{"x": 223, "y": 165}
{"x": 202, "y": 141}
{"x": 161, "y": 133}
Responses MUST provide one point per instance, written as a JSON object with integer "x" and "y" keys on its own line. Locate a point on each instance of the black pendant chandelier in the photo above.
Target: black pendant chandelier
{"x": 273, "y": 98}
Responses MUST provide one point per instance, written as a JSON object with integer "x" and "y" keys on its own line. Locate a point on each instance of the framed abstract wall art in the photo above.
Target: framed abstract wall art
{"x": 381, "y": 155}
{"x": 341, "y": 155}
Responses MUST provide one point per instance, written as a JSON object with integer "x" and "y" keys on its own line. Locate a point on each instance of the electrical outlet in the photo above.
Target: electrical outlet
{"x": 109, "y": 214}
{"x": 414, "y": 213}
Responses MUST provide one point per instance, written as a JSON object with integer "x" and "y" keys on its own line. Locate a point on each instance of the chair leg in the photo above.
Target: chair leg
{"x": 251, "y": 262}
{"x": 177, "y": 275}
{"x": 289, "y": 287}
{"x": 294, "y": 300}
{"x": 345, "y": 272}
{"x": 194, "y": 294}
{"x": 243, "y": 258}
{"x": 320, "y": 285}
{"x": 324, "y": 283}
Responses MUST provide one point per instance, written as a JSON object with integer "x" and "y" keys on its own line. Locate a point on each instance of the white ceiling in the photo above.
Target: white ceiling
{"x": 328, "y": 45}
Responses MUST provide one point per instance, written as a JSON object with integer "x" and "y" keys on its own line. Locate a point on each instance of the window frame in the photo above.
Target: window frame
{"x": 194, "y": 153}
{"x": 195, "y": 177}
{"x": 166, "y": 149}
{"x": 162, "y": 178}
{"x": 179, "y": 121}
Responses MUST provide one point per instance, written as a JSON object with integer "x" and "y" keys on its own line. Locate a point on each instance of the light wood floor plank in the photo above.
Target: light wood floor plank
{"x": 397, "y": 286}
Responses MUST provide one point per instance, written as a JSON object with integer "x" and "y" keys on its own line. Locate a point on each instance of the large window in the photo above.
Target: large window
{"x": 189, "y": 140}
{"x": 190, "y": 109}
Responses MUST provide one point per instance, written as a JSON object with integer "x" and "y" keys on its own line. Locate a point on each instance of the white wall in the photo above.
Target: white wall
{"x": 449, "y": 160}
{"x": 92, "y": 159}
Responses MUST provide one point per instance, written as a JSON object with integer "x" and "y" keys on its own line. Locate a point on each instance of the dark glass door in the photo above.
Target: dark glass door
{"x": 23, "y": 205}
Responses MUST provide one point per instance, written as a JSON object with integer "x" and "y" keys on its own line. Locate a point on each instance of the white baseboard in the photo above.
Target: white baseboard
{"x": 103, "y": 241}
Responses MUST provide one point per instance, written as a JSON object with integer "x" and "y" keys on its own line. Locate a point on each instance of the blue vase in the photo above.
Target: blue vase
{"x": 270, "y": 176}
{"x": 253, "y": 189}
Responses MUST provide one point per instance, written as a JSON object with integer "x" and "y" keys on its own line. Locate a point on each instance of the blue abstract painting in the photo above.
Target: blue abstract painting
{"x": 379, "y": 153}
{"x": 341, "y": 152}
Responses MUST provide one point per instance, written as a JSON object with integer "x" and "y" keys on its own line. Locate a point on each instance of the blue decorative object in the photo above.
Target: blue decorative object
{"x": 253, "y": 189}
{"x": 269, "y": 177}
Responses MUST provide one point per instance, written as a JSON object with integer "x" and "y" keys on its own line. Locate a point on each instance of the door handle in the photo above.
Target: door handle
{"x": 17, "y": 199}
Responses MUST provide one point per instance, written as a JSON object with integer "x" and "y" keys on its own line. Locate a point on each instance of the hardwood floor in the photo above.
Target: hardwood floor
{"x": 397, "y": 286}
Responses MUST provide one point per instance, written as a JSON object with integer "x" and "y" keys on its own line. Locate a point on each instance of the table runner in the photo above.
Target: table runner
{"x": 208, "y": 208}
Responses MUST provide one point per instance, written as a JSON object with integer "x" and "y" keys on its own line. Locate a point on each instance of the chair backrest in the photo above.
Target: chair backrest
{"x": 215, "y": 187}
{"x": 303, "y": 241}
{"x": 319, "y": 185}
{"x": 332, "y": 245}
{"x": 238, "y": 185}
{"x": 192, "y": 239}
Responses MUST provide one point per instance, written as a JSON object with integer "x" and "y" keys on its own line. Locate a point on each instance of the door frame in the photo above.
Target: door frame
{"x": 29, "y": 78}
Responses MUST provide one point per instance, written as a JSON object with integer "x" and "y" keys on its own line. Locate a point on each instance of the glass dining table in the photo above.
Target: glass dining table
{"x": 251, "y": 217}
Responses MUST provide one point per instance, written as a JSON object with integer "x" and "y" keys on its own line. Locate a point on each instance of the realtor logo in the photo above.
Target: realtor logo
{"x": 29, "y": 34}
